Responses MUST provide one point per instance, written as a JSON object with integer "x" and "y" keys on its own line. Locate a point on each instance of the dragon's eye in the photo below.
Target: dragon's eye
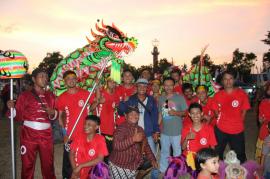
{"x": 114, "y": 36}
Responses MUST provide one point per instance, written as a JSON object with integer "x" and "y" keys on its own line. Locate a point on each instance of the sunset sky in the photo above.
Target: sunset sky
{"x": 36, "y": 27}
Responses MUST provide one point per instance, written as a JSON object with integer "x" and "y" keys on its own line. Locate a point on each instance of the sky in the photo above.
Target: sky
{"x": 183, "y": 27}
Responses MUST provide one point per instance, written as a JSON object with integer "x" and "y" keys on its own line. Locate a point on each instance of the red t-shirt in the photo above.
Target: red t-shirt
{"x": 30, "y": 109}
{"x": 208, "y": 110}
{"x": 107, "y": 121}
{"x": 86, "y": 151}
{"x": 264, "y": 112}
{"x": 72, "y": 105}
{"x": 204, "y": 138}
{"x": 230, "y": 107}
{"x": 122, "y": 93}
{"x": 178, "y": 89}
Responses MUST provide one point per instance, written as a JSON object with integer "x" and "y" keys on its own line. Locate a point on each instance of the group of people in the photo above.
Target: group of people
{"x": 125, "y": 125}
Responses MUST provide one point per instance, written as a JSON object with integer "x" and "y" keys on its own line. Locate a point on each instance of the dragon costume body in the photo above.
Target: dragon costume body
{"x": 109, "y": 45}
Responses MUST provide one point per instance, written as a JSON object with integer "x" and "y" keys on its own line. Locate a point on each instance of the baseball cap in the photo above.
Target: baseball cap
{"x": 142, "y": 81}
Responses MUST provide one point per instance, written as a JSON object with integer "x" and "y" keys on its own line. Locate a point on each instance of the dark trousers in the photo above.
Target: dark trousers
{"x": 236, "y": 143}
{"x": 66, "y": 167}
{"x": 109, "y": 144}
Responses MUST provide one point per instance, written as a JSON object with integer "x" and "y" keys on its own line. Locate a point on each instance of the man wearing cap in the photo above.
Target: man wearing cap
{"x": 148, "y": 116}
{"x": 129, "y": 144}
{"x": 35, "y": 108}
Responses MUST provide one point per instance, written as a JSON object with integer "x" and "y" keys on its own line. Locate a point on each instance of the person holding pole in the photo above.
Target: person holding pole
{"x": 71, "y": 103}
{"x": 35, "y": 109}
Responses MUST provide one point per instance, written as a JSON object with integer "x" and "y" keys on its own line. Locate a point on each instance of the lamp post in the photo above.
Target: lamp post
{"x": 155, "y": 54}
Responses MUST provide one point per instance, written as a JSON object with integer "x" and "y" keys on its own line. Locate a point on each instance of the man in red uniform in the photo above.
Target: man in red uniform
{"x": 106, "y": 111}
{"x": 176, "y": 75}
{"x": 230, "y": 105}
{"x": 125, "y": 90}
{"x": 35, "y": 109}
{"x": 88, "y": 149}
{"x": 71, "y": 103}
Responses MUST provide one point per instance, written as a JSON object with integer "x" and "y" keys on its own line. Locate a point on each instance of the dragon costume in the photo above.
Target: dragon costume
{"x": 109, "y": 45}
{"x": 200, "y": 75}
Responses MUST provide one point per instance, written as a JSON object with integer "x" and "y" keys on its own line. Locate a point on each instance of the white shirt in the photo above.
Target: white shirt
{"x": 142, "y": 110}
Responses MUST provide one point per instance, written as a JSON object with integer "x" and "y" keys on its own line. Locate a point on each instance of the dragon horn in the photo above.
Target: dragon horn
{"x": 103, "y": 25}
{"x": 123, "y": 35}
{"x": 103, "y": 31}
{"x": 94, "y": 34}
{"x": 89, "y": 41}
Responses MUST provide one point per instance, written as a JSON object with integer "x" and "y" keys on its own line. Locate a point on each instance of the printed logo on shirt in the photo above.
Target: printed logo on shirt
{"x": 23, "y": 150}
{"x": 91, "y": 152}
{"x": 81, "y": 103}
{"x": 235, "y": 103}
{"x": 203, "y": 141}
{"x": 167, "y": 106}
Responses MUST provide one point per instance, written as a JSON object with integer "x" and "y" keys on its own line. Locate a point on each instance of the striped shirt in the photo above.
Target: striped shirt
{"x": 127, "y": 154}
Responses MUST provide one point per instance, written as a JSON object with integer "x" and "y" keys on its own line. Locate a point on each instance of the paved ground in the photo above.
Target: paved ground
{"x": 5, "y": 155}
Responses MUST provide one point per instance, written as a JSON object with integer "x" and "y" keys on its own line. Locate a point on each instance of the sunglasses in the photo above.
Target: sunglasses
{"x": 167, "y": 104}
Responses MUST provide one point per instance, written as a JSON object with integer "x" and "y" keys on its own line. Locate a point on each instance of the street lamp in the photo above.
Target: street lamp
{"x": 155, "y": 54}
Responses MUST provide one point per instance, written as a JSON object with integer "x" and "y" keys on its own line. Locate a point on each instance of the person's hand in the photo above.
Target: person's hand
{"x": 207, "y": 118}
{"x": 154, "y": 164}
{"x": 75, "y": 176}
{"x": 191, "y": 135}
{"x": 138, "y": 136}
{"x": 172, "y": 112}
{"x": 50, "y": 111}
{"x": 126, "y": 98}
{"x": 76, "y": 172}
{"x": 11, "y": 104}
{"x": 155, "y": 136}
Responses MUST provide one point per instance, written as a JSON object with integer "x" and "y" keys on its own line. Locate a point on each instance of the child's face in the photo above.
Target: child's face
{"x": 195, "y": 114}
{"x": 90, "y": 127}
{"x": 211, "y": 165}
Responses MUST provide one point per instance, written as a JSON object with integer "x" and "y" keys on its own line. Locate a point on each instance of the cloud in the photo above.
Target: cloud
{"x": 9, "y": 28}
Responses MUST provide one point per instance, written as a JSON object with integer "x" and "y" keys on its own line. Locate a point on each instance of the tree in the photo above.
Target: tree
{"x": 163, "y": 65}
{"x": 50, "y": 62}
{"x": 267, "y": 40}
{"x": 242, "y": 64}
{"x": 266, "y": 56}
{"x": 266, "y": 61}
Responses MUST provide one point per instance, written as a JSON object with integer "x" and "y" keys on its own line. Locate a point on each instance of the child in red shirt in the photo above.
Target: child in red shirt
{"x": 88, "y": 149}
{"x": 197, "y": 135}
{"x": 208, "y": 164}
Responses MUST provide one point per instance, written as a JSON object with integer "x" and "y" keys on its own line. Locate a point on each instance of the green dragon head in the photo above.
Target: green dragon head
{"x": 111, "y": 39}
{"x": 109, "y": 45}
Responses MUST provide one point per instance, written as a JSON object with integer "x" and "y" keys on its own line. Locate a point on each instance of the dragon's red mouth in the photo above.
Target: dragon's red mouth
{"x": 119, "y": 47}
